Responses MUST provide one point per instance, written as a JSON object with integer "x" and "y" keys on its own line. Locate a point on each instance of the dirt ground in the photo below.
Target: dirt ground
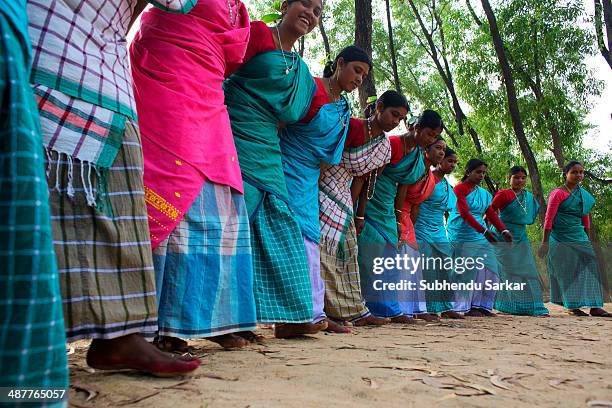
{"x": 508, "y": 361}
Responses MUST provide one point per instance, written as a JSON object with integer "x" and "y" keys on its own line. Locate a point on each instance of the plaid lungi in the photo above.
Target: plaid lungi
{"x": 281, "y": 277}
{"x": 343, "y": 298}
{"x": 204, "y": 268}
{"x": 32, "y": 342}
{"x": 105, "y": 262}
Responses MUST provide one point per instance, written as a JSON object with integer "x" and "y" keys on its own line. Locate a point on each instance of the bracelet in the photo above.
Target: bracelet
{"x": 399, "y": 223}
{"x": 359, "y": 218}
{"x": 485, "y": 231}
{"x": 398, "y": 211}
{"x": 505, "y": 231}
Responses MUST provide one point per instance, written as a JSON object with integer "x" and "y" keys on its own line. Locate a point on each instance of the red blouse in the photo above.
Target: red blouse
{"x": 319, "y": 99}
{"x": 557, "y": 196}
{"x": 502, "y": 199}
{"x": 260, "y": 40}
{"x": 461, "y": 191}
{"x": 396, "y": 149}
{"x": 356, "y": 135}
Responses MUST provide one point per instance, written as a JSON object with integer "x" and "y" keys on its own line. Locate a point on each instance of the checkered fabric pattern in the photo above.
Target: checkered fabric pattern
{"x": 335, "y": 202}
{"x": 80, "y": 48}
{"x": 282, "y": 287}
{"x": 204, "y": 268}
{"x": 32, "y": 342}
{"x": 81, "y": 75}
{"x": 343, "y": 298}
{"x": 105, "y": 263}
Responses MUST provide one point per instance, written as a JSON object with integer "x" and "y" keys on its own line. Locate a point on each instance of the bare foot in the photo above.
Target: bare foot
{"x": 403, "y": 319}
{"x": 371, "y": 320}
{"x": 135, "y": 353}
{"x": 229, "y": 341}
{"x": 251, "y": 337}
{"x": 474, "y": 313}
{"x": 286, "y": 330}
{"x": 333, "y": 327}
{"x": 578, "y": 312}
{"x": 428, "y": 317}
{"x": 487, "y": 313}
{"x": 171, "y": 344}
{"x": 451, "y": 314}
{"x": 543, "y": 315}
{"x": 599, "y": 312}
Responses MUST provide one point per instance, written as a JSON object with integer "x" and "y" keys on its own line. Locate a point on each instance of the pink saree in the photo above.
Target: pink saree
{"x": 178, "y": 67}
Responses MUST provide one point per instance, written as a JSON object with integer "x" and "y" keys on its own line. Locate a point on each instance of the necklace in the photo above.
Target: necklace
{"x": 371, "y": 185}
{"x": 337, "y": 101}
{"x": 568, "y": 189}
{"x": 232, "y": 18}
{"x": 523, "y": 205}
{"x": 287, "y": 67}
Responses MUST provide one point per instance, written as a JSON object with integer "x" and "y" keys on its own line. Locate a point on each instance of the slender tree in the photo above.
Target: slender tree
{"x": 396, "y": 78}
{"x": 513, "y": 107}
{"x": 604, "y": 7}
{"x": 363, "y": 39}
{"x": 325, "y": 39}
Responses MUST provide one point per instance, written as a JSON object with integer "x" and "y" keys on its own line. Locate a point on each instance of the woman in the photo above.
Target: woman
{"x": 409, "y": 198}
{"x": 197, "y": 216}
{"x": 379, "y": 237}
{"x": 517, "y": 208}
{"x": 572, "y": 265}
{"x": 366, "y": 149}
{"x": 471, "y": 239}
{"x": 430, "y": 232}
{"x": 319, "y": 138}
{"x": 33, "y": 352}
{"x": 275, "y": 89}
{"x": 81, "y": 78}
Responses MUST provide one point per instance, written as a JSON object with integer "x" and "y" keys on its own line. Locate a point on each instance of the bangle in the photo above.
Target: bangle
{"x": 359, "y": 218}
{"x": 485, "y": 231}
{"x": 504, "y": 231}
{"x": 398, "y": 211}
{"x": 399, "y": 223}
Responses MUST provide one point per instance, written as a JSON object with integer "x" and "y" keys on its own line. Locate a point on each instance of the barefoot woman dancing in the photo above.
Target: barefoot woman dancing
{"x": 273, "y": 89}
{"x": 572, "y": 265}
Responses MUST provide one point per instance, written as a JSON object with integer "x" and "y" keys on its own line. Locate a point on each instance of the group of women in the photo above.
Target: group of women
{"x": 266, "y": 201}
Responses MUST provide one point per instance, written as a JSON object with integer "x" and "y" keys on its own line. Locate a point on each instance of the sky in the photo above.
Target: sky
{"x": 600, "y": 137}
{"x": 600, "y": 117}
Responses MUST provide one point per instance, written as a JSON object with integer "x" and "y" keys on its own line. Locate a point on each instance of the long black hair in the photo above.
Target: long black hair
{"x": 430, "y": 119}
{"x": 449, "y": 152}
{"x": 472, "y": 165}
{"x": 351, "y": 53}
{"x": 389, "y": 99}
{"x": 569, "y": 166}
{"x": 516, "y": 170}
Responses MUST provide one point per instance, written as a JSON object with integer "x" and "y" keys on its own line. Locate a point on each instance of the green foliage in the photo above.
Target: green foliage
{"x": 547, "y": 43}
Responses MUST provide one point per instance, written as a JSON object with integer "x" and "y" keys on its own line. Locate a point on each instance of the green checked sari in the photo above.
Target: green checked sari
{"x": 260, "y": 96}
{"x": 32, "y": 340}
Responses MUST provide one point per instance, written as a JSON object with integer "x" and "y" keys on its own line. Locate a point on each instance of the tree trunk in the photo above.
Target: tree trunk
{"x": 600, "y": 21}
{"x": 302, "y": 46}
{"x": 328, "y": 54}
{"x": 515, "y": 114}
{"x": 447, "y": 77}
{"x": 363, "y": 39}
{"x": 396, "y": 78}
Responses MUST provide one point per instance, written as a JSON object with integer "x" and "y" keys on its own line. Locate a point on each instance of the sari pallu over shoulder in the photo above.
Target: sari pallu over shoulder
{"x": 380, "y": 210}
{"x": 430, "y": 225}
{"x": 335, "y": 201}
{"x": 415, "y": 194}
{"x": 259, "y": 97}
{"x": 304, "y": 146}
{"x": 466, "y": 241}
{"x": 572, "y": 263}
{"x": 517, "y": 258}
